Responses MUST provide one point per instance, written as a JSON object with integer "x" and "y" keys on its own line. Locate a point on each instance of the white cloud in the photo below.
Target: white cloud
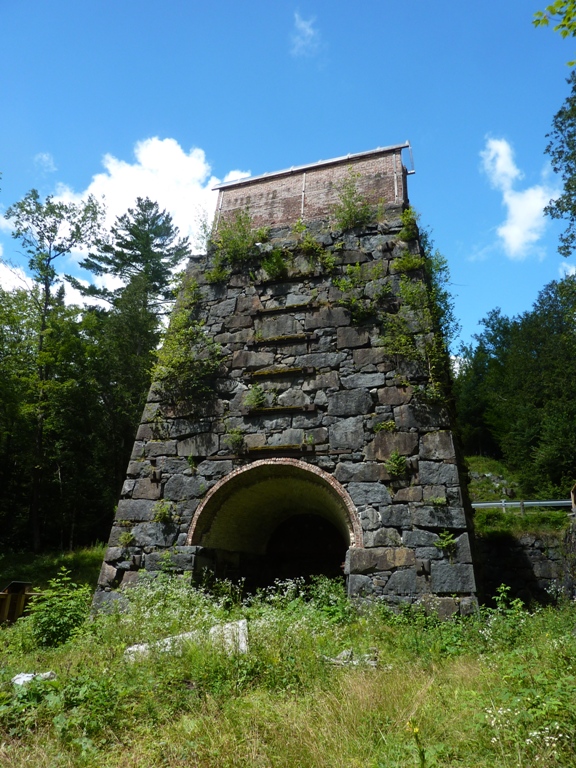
{"x": 45, "y": 162}
{"x": 305, "y": 38}
{"x": 566, "y": 269}
{"x": 525, "y": 221}
{"x": 179, "y": 181}
{"x": 13, "y": 277}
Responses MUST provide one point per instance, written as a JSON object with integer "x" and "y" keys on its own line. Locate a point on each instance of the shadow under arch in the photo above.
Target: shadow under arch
{"x": 276, "y": 518}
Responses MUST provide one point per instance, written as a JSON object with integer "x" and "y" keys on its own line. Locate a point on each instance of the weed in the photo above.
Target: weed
{"x": 274, "y": 264}
{"x": 59, "y": 610}
{"x": 189, "y": 360}
{"x": 255, "y": 397}
{"x": 162, "y": 512}
{"x": 234, "y": 439}
{"x": 126, "y": 539}
{"x": 408, "y": 262}
{"x": 385, "y": 426}
{"x": 396, "y": 465}
{"x": 409, "y": 230}
{"x": 352, "y": 209}
{"x": 446, "y": 542}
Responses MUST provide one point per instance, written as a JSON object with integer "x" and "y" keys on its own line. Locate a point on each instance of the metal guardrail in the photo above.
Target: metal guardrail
{"x": 504, "y": 503}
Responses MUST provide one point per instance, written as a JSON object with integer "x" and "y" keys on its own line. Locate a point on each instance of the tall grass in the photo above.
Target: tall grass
{"x": 496, "y": 689}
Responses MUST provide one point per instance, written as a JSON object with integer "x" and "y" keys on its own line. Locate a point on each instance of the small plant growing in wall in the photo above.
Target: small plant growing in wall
{"x": 275, "y": 263}
{"x": 162, "y": 512}
{"x": 255, "y": 397}
{"x": 385, "y": 426}
{"x": 409, "y": 219}
{"x": 126, "y": 539}
{"x": 189, "y": 359}
{"x": 396, "y": 465}
{"x": 352, "y": 209}
{"x": 234, "y": 439}
{"x": 447, "y": 543}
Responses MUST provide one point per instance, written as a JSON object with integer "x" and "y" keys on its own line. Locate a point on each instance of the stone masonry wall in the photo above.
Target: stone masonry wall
{"x": 329, "y": 385}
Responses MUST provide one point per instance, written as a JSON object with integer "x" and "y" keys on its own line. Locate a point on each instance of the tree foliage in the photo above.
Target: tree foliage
{"x": 73, "y": 380}
{"x": 562, "y": 150}
{"x": 143, "y": 246}
{"x": 516, "y": 391}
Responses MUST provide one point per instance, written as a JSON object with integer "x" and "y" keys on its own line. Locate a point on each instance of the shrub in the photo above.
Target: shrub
{"x": 396, "y": 465}
{"x": 58, "y": 610}
{"x": 352, "y": 209}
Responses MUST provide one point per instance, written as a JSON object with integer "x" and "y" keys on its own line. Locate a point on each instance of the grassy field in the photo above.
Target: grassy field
{"x": 84, "y": 565}
{"x": 496, "y": 689}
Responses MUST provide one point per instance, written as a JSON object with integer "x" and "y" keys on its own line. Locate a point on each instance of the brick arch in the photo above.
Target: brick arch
{"x": 293, "y": 480}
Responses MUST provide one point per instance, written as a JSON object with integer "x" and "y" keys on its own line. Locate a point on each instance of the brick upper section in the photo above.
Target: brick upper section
{"x": 310, "y": 192}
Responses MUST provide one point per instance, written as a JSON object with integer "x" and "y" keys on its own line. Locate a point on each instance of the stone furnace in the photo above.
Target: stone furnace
{"x": 299, "y": 422}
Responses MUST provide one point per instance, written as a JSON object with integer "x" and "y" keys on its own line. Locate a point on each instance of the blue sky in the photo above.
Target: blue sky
{"x": 133, "y": 98}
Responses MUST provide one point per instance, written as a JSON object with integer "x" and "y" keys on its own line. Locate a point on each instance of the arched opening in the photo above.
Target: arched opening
{"x": 276, "y": 518}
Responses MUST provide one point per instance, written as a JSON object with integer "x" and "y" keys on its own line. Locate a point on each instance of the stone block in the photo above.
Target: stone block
{"x": 113, "y": 554}
{"x": 135, "y": 510}
{"x": 293, "y": 398}
{"x": 359, "y": 472}
{"x": 328, "y": 317}
{"x": 347, "y": 337}
{"x": 372, "y": 356}
{"x": 385, "y": 443}
{"x": 401, "y": 583}
{"x": 255, "y": 441}
{"x": 369, "y": 518}
{"x": 359, "y": 586}
{"x": 204, "y": 444}
{"x": 172, "y": 466}
{"x": 325, "y": 381}
{"x": 463, "y": 552}
{"x": 287, "y": 437}
{"x": 394, "y": 395}
{"x": 418, "y": 538}
{"x": 364, "y": 380}
{"x": 397, "y": 515}
{"x": 372, "y": 494}
{"x": 347, "y": 434}
{"x": 108, "y": 575}
{"x": 405, "y": 418}
{"x": 214, "y": 469}
{"x": 180, "y": 487}
{"x": 412, "y": 493}
{"x": 378, "y": 559}
{"x": 438, "y": 517}
{"x": 437, "y": 446}
{"x": 127, "y": 487}
{"x": 383, "y": 537}
{"x": 156, "y": 448}
{"x": 252, "y": 360}
{"x": 322, "y": 359}
{"x": 130, "y": 578}
{"x": 154, "y": 535}
{"x": 349, "y": 402}
{"x": 437, "y": 473}
{"x": 146, "y": 489}
{"x": 443, "y": 607}
{"x": 452, "y": 578}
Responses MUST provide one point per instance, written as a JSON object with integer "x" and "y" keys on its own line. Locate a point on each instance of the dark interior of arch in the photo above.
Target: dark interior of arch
{"x": 273, "y": 522}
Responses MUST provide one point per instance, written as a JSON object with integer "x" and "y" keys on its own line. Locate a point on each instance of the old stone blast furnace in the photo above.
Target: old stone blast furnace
{"x": 298, "y": 424}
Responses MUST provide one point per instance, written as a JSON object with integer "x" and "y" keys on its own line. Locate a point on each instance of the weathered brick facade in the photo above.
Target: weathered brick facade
{"x": 306, "y": 475}
{"x": 309, "y": 192}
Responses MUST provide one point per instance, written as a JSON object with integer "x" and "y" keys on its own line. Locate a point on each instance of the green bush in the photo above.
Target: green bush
{"x": 59, "y": 610}
{"x": 352, "y": 209}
